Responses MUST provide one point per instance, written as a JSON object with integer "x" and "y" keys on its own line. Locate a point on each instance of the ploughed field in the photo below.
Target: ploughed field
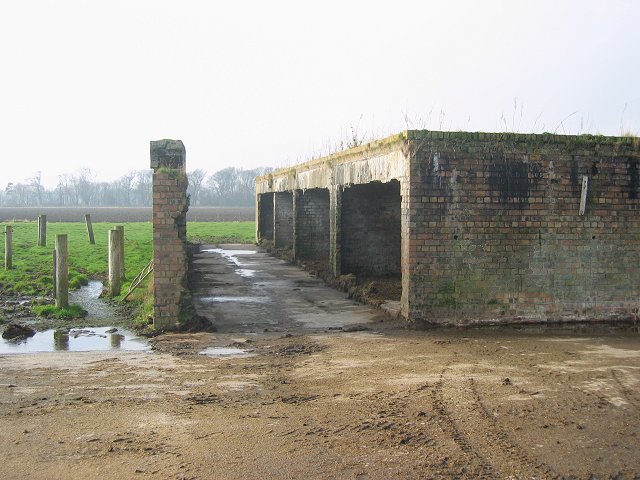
{"x": 123, "y": 214}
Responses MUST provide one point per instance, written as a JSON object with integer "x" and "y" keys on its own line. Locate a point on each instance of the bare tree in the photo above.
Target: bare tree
{"x": 63, "y": 190}
{"x": 35, "y": 183}
{"x": 125, "y": 186}
{"x": 143, "y": 188}
{"x": 196, "y": 178}
{"x": 227, "y": 187}
{"x": 83, "y": 186}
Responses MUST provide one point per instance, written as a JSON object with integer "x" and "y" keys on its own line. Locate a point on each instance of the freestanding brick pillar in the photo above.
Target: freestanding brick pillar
{"x": 171, "y": 295}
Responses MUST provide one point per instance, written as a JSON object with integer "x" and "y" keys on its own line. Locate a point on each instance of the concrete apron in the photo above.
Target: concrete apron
{"x": 244, "y": 290}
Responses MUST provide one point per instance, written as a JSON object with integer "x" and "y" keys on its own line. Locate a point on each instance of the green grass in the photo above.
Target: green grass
{"x": 32, "y": 272}
{"x": 221, "y": 232}
{"x": 51, "y": 311}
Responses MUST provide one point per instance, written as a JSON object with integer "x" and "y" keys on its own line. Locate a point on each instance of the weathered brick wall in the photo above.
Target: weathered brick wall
{"x": 170, "y": 204}
{"x": 370, "y": 229}
{"x": 283, "y": 219}
{"x": 265, "y": 216}
{"x": 312, "y": 224}
{"x": 495, "y": 233}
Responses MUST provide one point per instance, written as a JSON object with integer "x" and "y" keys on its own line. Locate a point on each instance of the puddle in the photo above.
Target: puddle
{"x": 244, "y": 272}
{"x": 77, "y": 340}
{"x": 224, "y": 299}
{"x": 232, "y": 256}
{"x": 88, "y": 298}
{"x": 224, "y": 352}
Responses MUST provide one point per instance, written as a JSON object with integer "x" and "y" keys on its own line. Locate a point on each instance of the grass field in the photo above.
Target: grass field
{"x": 32, "y": 272}
{"x": 123, "y": 214}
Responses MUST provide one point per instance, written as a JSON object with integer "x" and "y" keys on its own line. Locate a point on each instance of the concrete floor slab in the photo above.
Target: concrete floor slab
{"x": 241, "y": 289}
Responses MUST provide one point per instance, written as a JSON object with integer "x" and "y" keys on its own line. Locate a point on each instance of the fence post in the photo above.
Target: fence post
{"x": 114, "y": 263}
{"x": 62, "y": 272}
{"x": 42, "y": 230}
{"x": 87, "y": 220}
{"x": 120, "y": 229}
{"x": 8, "y": 247}
{"x": 55, "y": 273}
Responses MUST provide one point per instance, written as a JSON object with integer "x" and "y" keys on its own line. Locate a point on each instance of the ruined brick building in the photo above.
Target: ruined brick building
{"x": 479, "y": 227}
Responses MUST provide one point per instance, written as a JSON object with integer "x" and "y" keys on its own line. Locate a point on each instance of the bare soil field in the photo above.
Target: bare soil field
{"x": 123, "y": 214}
{"x": 379, "y": 404}
{"x": 325, "y": 388}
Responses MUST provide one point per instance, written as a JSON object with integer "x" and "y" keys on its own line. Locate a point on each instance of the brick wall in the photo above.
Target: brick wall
{"x": 370, "y": 229}
{"x": 312, "y": 224}
{"x": 283, "y": 219}
{"x": 265, "y": 216}
{"x": 495, "y": 231}
{"x": 170, "y": 204}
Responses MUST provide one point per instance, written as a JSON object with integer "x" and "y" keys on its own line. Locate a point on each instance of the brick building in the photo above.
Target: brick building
{"x": 480, "y": 228}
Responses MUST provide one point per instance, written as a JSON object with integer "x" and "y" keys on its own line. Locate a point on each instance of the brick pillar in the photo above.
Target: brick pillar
{"x": 171, "y": 295}
{"x": 295, "y": 200}
{"x": 335, "y": 209}
{"x": 406, "y": 247}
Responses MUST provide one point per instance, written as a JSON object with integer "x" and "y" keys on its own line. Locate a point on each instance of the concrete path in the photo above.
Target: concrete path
{"x": 244, "y": 290}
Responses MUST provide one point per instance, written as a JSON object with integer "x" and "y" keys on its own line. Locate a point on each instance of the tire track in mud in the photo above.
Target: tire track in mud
{"x": 626, "y": 393}
{"x": 451, "y": 427}
{"x": 502, "y": 440}
{"x": 466, "y": 418}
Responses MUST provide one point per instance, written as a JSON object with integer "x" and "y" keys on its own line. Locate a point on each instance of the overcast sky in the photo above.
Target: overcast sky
{"x": 271, "y": 83}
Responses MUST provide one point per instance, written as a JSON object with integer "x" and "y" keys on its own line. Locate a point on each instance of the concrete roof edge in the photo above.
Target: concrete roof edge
{"x": 359, "y": 151}
{"x": 421, "y": 135}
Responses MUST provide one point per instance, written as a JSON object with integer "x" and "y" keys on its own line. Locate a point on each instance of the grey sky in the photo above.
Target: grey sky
{"x": 246, "y": 84}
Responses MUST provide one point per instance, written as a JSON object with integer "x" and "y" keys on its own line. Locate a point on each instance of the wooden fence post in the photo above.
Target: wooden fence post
{"x": 87, "y": 220}
{"x": 42, "y": 230}
{"x": 114, "y": 263}
{"x": 55, "y": 273}
{"x": 8, "y": 247}
{"x": 120, "y": 229}
{"x": 62, "y": 272}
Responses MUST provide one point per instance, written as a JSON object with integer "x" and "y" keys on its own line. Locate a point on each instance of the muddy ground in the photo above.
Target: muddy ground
{"x": 327, "y": 389}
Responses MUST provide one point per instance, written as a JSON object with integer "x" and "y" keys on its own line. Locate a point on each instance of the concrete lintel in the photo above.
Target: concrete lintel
{"x": 375, "y": 166}
{"x": 168, "y": 153}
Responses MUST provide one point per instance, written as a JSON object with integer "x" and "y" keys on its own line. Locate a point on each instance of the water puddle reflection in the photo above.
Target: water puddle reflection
{"x": 224, "y": 352}
{"x": 244, "y": 272}
{"x": 77, "y": 340}
{"x": 232, "y": 256}
{"x": 224, "y": 299}
{"x": 88, "y": 298}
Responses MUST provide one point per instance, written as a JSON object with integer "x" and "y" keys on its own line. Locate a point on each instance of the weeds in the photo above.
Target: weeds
{"x": 51, "y": 311}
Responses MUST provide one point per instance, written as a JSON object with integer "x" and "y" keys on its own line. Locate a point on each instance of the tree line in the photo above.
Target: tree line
{"x": 227, "y": 187}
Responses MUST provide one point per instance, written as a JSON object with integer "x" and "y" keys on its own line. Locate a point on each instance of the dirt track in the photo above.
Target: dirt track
{"x": 380, "y": 403}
